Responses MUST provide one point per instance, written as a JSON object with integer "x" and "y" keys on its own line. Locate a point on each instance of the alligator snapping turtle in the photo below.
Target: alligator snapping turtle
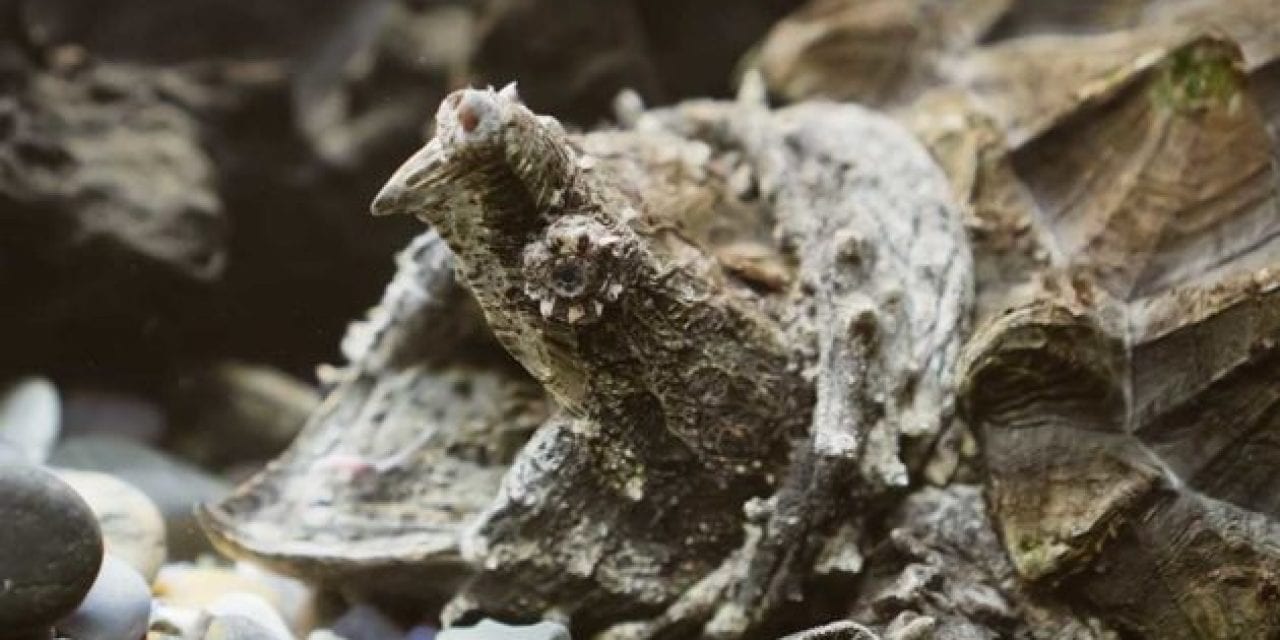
{"x": 741, "y": 316}
{"x": 738, "y": 312}
{"x": 1128, "y": 410}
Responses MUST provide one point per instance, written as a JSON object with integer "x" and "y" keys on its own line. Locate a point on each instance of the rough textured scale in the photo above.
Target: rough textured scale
{"x": 1129, "y": 410}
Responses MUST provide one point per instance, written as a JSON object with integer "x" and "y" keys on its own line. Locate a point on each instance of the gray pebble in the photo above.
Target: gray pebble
{"x": 491, "y": 630}
{"x": 118, "y": 606}
{"x": 233, "y": 627}
{"x": 30, "y": 417}
{"x": 226, "y": 616}
{"x": 50, "y": 548}
{"x": 232, "y": 412}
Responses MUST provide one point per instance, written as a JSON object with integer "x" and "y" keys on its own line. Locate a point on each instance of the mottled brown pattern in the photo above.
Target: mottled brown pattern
{"x": 1129, "y": 412}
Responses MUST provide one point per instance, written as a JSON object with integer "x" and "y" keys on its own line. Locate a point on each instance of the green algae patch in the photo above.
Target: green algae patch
{"x": 1201, "y": 75}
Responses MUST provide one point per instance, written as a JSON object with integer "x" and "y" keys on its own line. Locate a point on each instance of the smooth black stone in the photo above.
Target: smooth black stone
{"x": 50, "y": 549}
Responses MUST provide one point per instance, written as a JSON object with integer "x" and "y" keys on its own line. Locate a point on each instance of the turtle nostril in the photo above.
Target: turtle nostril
{"x": 473, "y": 109}
{"x": 468, "y": 118}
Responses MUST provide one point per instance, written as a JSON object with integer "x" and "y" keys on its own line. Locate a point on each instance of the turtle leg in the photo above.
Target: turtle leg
{"x": 808, "y": 505}
{"x": 595, "y": 521}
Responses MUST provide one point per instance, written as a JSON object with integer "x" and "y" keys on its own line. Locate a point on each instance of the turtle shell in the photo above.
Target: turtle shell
{"x": 410, "y": 444}
{"x": 1130, "y": 409}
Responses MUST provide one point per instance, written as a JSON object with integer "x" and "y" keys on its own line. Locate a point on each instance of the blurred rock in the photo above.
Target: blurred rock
{"x": 312, "y": 42}
{"x": 112, "y": 232}
{"x": 30, "y": 417}
{"x": 697, "y": 47}
{"x": 93, "y": 411}
{"x": 131, "y": 524}
{"x": 174, "y": 486}
{"x": 430, "y": 39}
{"x": 491, "y": 630}
{"x": 108, "y": 210}
{"x": 233, "y": 412}
{"x": 50, "y": 548}
{"x": 141, "y": 30}
{"x": 572, "y": 57}
{"x": 101, "y": 158}
{"x": 305, "y": 152}
{"x": 118, "y": 607}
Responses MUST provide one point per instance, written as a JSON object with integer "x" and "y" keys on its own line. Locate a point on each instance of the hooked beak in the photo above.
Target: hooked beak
{"x": 394, "y": 195}
{"x": 388, "y": 199}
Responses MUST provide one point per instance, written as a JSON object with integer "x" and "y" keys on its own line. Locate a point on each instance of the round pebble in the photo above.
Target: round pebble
{"x": 131, "y": 524}
{"x": 50, "y": 548}
{"x": 240, "y": 628}
{"x": 31, "y": 417}
{"x": 233, "y": 607}
{"x": 118, "y": 606}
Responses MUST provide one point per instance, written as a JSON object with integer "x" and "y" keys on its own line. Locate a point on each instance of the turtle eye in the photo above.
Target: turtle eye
{"x": 568, "y": 279}
{"x": 570, "y": 271}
